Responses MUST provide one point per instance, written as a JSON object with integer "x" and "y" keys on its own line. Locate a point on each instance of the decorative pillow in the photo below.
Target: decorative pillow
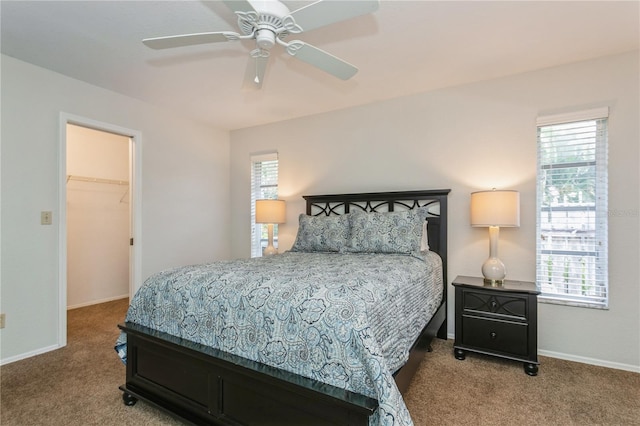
{"x": 388, "y": 232}
{"x": 322, "y": 233}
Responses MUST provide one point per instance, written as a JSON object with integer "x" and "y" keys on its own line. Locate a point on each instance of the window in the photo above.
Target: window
{"x": 572, "y": 209}
{"x": 264, "y": 185}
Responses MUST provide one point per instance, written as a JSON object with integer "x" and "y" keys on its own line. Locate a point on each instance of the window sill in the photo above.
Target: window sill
{"x": 572, "y": 302}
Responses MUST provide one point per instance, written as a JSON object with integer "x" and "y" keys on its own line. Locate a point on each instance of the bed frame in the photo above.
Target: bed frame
{"x": 206, "y": 386}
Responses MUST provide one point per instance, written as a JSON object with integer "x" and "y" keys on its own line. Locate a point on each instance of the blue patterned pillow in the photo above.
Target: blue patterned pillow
{"x": 388, "y": 232}
{"x": 322, "y": 233}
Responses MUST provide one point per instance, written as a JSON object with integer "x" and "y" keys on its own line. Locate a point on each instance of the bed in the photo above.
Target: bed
{"x": 288, "y": 370}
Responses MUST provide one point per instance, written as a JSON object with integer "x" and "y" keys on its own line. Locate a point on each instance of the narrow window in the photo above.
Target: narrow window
{"x": 264, "y": 185}
{"x": 572, "y": 266}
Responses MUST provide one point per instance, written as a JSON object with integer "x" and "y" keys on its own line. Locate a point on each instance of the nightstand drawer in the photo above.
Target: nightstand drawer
{"x": 507, "y": 306}
{"x": 493, "y": 335}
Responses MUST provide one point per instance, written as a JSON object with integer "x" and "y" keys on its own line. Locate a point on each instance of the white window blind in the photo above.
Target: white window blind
{"x": 572, "y": 263}
{"x": 264, "y": 185}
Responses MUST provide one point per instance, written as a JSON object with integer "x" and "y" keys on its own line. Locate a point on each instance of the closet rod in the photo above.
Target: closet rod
{"x": 97, "y": 180}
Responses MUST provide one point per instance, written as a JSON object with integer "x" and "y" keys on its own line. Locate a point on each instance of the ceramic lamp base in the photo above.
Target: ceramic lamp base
{"x": 493, "y": 271}
{"x": 269, "y": 251}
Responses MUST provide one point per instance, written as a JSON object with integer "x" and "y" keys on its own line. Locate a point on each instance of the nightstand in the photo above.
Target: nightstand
{"x": 499, "y": 320}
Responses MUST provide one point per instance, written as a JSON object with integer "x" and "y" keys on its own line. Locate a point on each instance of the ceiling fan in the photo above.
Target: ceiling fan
{"x": 269, "y": 22}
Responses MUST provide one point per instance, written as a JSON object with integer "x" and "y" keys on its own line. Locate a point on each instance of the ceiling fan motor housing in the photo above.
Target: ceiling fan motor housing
{"x": 266, "y": 23}
{"x": 270, "y": 7}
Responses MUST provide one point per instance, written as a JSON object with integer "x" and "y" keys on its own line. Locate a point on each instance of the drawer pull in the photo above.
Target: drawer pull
{"x": 494, "y": 304}
{"x": 493, "y": 335}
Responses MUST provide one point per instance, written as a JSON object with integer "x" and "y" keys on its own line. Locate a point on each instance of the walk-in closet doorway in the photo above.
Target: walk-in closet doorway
{"x": 97, "y": 216}
{"x": 99, "y": 198}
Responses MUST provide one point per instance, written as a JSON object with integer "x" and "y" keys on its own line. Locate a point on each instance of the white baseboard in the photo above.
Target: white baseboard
{"x": 54, "y": 347}
{"x": 96, "y": 302}
{"x": 590, "y": 361}
{"x": 28, "y": 354}
{"x": 580, "y": 359}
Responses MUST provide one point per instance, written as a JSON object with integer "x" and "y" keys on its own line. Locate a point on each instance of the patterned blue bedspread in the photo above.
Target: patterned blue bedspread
{"x": 344, "y": 319}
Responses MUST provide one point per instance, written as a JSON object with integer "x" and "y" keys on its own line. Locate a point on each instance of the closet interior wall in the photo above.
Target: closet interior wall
{"x": 98, "y": 218}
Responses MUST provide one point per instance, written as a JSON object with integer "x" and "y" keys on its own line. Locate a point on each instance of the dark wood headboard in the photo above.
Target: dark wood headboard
{"x": 435, "y": 200}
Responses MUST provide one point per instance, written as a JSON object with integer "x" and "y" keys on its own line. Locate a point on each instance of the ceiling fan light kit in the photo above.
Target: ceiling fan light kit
{"x": 265, "y": 39}
{"x": 268, "y": 22}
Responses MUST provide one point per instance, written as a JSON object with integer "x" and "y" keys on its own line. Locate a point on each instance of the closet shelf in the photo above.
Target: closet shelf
{"x": 97, "y": 180}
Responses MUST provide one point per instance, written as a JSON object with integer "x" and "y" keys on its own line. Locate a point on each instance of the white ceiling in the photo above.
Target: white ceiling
{"x": 403, "y": 48}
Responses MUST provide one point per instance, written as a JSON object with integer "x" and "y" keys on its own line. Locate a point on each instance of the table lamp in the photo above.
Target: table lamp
{"x": 494, "y": 209}
{"x": 270, "y": 212}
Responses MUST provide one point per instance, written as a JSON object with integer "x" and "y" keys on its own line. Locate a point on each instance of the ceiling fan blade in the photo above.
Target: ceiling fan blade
{"x": 239, "y": 5}
{"x": 254, "y": 75}
{"x": 325, "y": 12}
{"x": 321, "y": 59}
{"x": 189, "y": 39}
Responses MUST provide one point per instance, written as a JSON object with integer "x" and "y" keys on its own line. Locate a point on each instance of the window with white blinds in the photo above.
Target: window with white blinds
{"x": 264, "y": 185}
{"x": 572, "y": 264}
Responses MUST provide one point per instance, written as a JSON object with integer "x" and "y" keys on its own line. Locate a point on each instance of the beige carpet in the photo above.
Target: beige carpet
{"x": 78, "y": 385}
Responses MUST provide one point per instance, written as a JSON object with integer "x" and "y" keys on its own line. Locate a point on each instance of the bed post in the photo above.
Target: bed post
{"x": 443, "y": 251}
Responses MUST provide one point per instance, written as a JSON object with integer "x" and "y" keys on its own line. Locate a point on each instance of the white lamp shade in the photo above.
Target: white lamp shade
{"x": 495, "y": 208}
{"x": 270, "y": 211}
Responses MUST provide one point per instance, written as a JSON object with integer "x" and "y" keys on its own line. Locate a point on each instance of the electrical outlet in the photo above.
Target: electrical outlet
{"x": 46, "y": 218}
{"x": 2, "y": 320}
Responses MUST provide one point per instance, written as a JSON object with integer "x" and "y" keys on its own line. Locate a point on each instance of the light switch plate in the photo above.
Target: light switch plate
{"x": 46, "y": 218}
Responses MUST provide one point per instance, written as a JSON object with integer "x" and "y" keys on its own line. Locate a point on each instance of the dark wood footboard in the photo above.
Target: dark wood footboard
{"x": 205, "y": 386}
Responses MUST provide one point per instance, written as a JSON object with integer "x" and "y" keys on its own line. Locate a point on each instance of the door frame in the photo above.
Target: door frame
{"x": 135, "y": 210}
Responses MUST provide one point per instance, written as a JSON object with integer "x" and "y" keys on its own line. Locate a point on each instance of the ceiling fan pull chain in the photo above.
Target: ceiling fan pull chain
{"x": 257, "y": 79}
{"x": 255, "y": 54}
